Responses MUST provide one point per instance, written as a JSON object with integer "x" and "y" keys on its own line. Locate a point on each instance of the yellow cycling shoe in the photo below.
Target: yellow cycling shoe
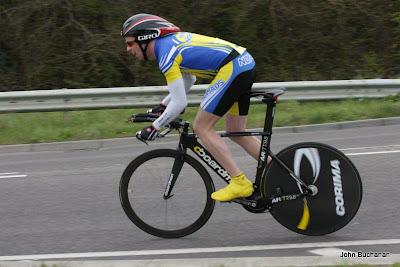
{"x": 240, "y": 186}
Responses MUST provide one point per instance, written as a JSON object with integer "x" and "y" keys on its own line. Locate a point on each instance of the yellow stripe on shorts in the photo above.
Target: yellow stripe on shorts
{"x": 234, "y": 110}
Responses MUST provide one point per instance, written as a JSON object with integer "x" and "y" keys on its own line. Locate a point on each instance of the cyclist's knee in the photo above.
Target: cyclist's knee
{"x": 204, "y": 123}
{"x": 199, "y": 130}
{"x": 196, "y": 129}
{"x": 203, "y": 131}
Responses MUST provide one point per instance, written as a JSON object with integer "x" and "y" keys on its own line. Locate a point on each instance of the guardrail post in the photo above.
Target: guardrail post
{"x": 66, "y": 116}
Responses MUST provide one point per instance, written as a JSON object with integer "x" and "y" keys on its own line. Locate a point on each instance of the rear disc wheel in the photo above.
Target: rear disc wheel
{"x": 338, "y": 184}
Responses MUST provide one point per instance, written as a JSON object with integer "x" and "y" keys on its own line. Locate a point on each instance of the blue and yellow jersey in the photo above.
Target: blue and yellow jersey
{"x": 193, "y": 53}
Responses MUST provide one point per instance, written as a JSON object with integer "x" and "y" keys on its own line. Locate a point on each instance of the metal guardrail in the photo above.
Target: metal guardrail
{"x": 138, "y": 97}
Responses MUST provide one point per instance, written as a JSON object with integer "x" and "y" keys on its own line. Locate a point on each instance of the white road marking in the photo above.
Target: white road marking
{"x": 371, "y": 153}
{"x": 337, "y": 252}
{"x": 199, "y": 250}
{"x": 369, "y": 147}
{"x": 389, "y": 149}
{"x": 11, "y": 175}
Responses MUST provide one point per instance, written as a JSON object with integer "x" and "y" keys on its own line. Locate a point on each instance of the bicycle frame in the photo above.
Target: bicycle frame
{"x": 327, "y": 204}
{"x": 189, "y": 140}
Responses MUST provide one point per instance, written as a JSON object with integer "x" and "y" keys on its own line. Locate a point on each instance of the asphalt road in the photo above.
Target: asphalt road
{"x": 68, "y": 202}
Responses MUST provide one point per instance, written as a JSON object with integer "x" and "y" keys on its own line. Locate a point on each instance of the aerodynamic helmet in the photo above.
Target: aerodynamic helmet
{"x": 146, "y": 27}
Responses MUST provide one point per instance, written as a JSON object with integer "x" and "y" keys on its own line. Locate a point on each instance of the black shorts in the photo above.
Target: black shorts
{"x": 230, "y": 90}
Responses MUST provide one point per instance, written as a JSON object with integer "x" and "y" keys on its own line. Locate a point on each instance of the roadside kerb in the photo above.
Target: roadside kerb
{"x": 115, "y": 142}
{"x": 242, "y": 262}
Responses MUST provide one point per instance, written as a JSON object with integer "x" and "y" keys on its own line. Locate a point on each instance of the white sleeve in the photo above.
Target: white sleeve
{"x": 176, "y": 104}
{"x": 188, "y": 81}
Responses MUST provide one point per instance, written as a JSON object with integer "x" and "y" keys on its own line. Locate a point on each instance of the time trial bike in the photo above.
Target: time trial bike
{"x": 309, "y": 188}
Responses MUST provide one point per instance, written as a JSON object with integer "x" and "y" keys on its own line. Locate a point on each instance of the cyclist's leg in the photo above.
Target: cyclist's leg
{"x": 237, "y": 123}
{"x": 232, "y": 83}
{"x": 204, "y": 128}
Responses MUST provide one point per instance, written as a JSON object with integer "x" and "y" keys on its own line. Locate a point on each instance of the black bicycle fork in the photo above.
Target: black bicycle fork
{"x": 176, "y": 169}
{"x": 188, "y": 140}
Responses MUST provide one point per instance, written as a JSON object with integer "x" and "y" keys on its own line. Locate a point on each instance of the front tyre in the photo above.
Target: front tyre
{"x": 330, "y": 171}
{"x": 142, "y": 188}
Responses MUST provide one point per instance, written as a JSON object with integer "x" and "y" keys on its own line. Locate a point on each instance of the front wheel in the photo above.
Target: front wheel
{"x": 330, "y": 171}
{"x": 142, "y": 188}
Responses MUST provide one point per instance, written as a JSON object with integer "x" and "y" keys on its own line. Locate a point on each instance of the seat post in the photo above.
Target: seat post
{"x": 270, "y": 113}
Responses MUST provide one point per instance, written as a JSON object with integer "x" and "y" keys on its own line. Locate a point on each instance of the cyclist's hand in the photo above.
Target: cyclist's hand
{"x": 159, "y": 109}
{"x": 149, "y": 133}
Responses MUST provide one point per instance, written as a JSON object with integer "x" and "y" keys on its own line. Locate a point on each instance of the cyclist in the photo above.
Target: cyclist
{"x": 181, "y": 57}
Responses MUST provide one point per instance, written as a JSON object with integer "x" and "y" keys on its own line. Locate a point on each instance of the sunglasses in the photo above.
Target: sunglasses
{"x": 130, "y": 43}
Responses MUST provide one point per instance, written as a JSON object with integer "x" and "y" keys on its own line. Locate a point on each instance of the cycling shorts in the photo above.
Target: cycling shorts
{"x": 229, "y": 92}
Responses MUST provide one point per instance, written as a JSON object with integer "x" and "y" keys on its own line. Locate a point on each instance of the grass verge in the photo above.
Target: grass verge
{"x": 25, "y": 128}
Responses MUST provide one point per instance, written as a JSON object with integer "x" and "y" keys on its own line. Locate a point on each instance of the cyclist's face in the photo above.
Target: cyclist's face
{"x": 133, "y": 47}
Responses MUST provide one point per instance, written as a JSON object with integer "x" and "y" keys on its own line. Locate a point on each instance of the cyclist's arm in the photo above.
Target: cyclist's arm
{"x": 188, "y": 81}
{"x": 176, "y": 104}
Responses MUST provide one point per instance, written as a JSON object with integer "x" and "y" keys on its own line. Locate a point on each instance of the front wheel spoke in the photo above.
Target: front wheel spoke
{"x": 166, "y": 214}
{"x": 175, "y": 212}
{"x": 158, "y": 180}
{"x": 156, "y": 205}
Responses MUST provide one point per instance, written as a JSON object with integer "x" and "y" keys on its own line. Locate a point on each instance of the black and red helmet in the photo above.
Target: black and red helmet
{"x": 146, "y": 27}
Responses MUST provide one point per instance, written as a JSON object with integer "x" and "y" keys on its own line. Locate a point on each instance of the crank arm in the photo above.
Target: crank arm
{"x": 243, "y": 201}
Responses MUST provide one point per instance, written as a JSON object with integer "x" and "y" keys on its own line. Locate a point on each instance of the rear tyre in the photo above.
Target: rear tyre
{"x": 335, "y": 177}
{"x": 142, "y": 188}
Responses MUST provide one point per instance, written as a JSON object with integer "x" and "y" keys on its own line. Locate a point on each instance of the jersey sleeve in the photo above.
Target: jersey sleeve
{"x": 173, "y": 73}
{"x": 177, "y": 103}
{"x": 169, "y": 64}
{"x": 188, "y": 81}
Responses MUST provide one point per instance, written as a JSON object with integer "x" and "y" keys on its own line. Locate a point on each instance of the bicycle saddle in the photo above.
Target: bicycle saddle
{"x": 269, "y": 93}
